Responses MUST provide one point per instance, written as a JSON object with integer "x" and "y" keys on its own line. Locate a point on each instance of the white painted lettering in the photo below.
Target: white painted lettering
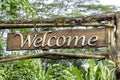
{"x": 92, "y": 40}
{"x": 44, "y": 38}
{"x": 62, "y": 42}
{"x": 28, "y": 38}
{"x": 76, "y": 38}
{"x": 49, "y": 41}
{"x": 37, "y": 42}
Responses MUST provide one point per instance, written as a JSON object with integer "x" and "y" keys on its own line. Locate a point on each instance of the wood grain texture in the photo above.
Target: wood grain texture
{"x": 57, "y": 22}
{"x": 14, "y": 42}
{"x": 56, "y": 56}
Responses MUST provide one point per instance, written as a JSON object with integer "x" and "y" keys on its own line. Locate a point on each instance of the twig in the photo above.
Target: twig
{"x": 56, "y": 55}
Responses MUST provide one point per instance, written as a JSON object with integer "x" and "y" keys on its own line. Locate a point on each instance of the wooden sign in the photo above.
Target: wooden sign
{"x": 75, "y": 38}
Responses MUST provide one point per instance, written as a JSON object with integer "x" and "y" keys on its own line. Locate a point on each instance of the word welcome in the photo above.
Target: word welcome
{"x": 55, "y": 39}
{"x": 37, "y": 41}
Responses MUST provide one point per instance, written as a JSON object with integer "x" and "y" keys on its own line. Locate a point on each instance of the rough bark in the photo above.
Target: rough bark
{"x": 117, "y": 73}
{"x": 117, "y": 56}
{"x": 58, "y": 22}
{"x": 55, "y": 55}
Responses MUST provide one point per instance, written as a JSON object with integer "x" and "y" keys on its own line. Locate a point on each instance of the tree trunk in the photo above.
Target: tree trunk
{"x": 117, "y": 73}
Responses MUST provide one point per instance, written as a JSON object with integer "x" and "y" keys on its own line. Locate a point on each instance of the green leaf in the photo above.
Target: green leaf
{"x": 76, "y": 73}
{"x": 91, "y": 69}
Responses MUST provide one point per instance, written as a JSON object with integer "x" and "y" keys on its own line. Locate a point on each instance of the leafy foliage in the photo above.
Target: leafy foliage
{"x": 13, "y": 9}
{"x": 56, "y": 70}
{"x": 33, "y": 70}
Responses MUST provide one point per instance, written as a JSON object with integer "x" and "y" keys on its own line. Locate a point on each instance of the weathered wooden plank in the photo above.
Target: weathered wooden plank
{"x": 116, "y": 56}
{"x": 82, "y": 19}
{"x": 108, "y": 40}
{"x": 91, "y": 38}
{"x": 57, "y": 22}
{"x": 55, "y": 56}
{"x": 38, "y": 25}
{"x": 118, "y": 31}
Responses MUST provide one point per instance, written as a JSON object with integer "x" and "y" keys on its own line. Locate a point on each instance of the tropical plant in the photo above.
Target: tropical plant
{"x": 56, "y": 70}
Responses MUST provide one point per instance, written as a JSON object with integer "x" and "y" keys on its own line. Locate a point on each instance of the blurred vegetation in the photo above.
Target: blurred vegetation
{"x": 45, "y": 69}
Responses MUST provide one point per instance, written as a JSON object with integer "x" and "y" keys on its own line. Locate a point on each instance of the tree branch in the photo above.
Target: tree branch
{"x": 58, "y": 22}
{"x": 56, "y": 55}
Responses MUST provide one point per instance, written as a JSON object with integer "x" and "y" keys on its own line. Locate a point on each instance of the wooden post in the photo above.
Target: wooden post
{"x": 118, "y": 30}
{"x": 118, "y": 45}
{"x": 110, "y": 37}
{"x": 108, "y": 40}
